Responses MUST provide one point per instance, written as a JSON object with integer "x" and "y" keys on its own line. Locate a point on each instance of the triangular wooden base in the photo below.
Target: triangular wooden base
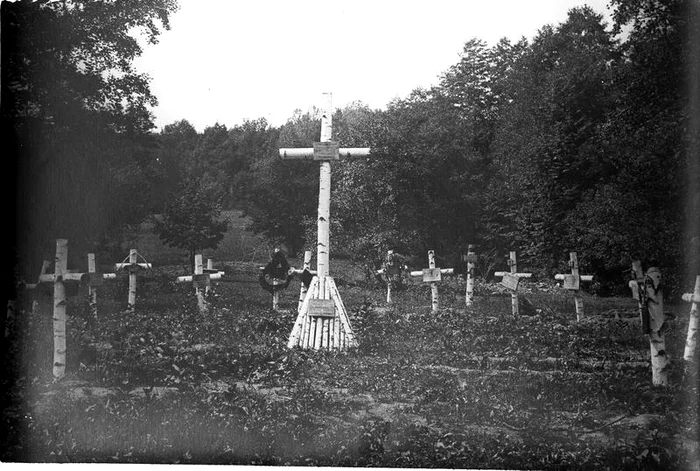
{"x": 319, "y": 325}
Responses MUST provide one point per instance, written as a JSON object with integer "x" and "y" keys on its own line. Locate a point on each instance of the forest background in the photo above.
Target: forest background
{"x": 576, "y": 140}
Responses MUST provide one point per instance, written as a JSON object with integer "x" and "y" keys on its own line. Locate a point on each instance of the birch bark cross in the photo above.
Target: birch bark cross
{"x": 58, "y": 278}
{"x": 511, "y": 280}
{"x": 573, "y": 281}
{"x": 133, "y": 267}
{"x": 316, "y": 327}
{"x": 432, "y": 275}
{"x": 201, "y": 279}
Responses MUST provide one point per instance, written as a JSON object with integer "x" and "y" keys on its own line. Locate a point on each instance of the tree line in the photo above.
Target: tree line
{"x": 585, "y": 138}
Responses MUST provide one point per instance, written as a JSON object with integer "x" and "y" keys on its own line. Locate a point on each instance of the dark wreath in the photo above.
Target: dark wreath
{"x": 278, "y": 269}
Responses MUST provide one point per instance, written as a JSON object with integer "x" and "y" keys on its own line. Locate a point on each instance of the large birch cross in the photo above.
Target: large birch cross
{"x": 323, "y": 322}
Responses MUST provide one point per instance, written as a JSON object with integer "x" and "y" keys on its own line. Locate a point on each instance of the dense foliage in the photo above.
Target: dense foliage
{"x": 75, "y": 119}
{"x": 579, "y": 140}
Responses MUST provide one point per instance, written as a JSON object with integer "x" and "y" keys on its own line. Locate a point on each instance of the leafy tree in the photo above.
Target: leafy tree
{"x": 546, "y": 152}
{"x": 191, "y": 220}
{"x": 74, "y": 117}
{"x": 277, "y": 194}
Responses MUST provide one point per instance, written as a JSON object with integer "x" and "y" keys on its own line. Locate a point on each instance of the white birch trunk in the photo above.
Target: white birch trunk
{"x": 691, "y": 339}
{"x": 659, "y": 357}
{"x": 324, "y": 195}
{"x": 578, "y": 300}
{"x": 210, "y": 266}
{"x": 469, "y": 294}
{"x": 59, "y": 310}
{"x": 198, "y": 270}
{"x": 92, "y": 290}
{"x": 132, "y": 280}
{"x": 433, "y": 285}
{"x": 514, "y": 294}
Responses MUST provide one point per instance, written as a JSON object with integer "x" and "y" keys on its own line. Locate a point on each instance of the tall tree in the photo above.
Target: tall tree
{"x": 73, "y": 113}
{"x": 192, "y": 219}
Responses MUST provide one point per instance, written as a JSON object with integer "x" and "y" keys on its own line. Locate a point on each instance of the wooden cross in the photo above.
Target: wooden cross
{"x": 573, "y": 282}
{"x": 323, "y": 311}
{"x": 511, "y": 280}
{"x": 470, "y": 258}
{"x": 200, "y": 279}
{"x": 392, "y": 272}
{"x": 647, "y": 290}
{"x": 691, "y": 339}
{"x": 133, "y": 267}
{"x": 59, "y": 278}
{"x": 432, "y": 275}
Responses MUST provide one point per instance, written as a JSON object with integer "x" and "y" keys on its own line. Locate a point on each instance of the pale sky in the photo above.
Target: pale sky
{"x": 227, "y": 61}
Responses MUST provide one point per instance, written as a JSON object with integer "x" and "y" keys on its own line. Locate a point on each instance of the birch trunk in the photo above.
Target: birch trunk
{"x": 514, "y": 294}
{"x": 691, "y": 339}
{"x": 198, "y": 270}
{"x": 324, "y": 196}
{"x": 659, "y": 358}
{"x": 210, "y": 266}
{"x": 578, "y": 300}
{"x": 132, "y": 280}
{"x": 59, "y": 310}
{"x": 92, "y": 290}
{"x": 469, "y": 294}
{"x": 433, "y": 286}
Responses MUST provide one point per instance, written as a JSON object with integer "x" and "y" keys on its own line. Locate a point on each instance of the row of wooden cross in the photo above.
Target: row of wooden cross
{"x": 510, "y": 279}
{"x": 322, "y": 320}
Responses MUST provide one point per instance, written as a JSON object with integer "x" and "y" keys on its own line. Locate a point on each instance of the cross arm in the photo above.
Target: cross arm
{"x": 581, "y": 277}
{"x": 323, "y": 151}
{"x": 519, "y": 275}
{"x": 443, "y": 271}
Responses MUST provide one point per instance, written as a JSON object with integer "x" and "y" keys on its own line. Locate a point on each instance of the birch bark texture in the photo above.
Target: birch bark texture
{"x": 691, "y": 339}
{"x": 59, "y": 309}
{"x": 648, "y": 292}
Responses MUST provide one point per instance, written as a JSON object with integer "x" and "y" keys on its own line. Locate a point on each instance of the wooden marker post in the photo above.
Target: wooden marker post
{"x": 511, "y": 280}
{"x": 433, "y": 275}
{"x": 647, "y": 290}
{"x": 470, "y": 258}
{"x": 573, "y": 281}
{"x": 201, "y": 279}
{"x": 691, "y": 339}
{"x": 133, "y": 267}
{"x": 323, "y": 312}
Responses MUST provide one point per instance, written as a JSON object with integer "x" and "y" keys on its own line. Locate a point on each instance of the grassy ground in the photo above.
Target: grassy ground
{"x": 460, "y": 388}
